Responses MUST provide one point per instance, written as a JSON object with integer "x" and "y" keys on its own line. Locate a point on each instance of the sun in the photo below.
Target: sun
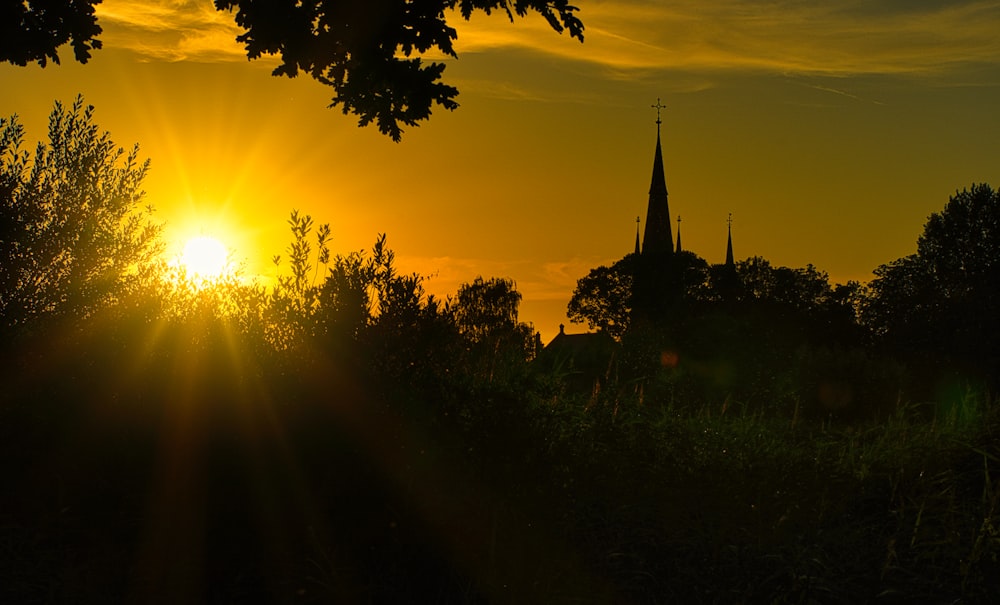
{"x": 205, "y": 258}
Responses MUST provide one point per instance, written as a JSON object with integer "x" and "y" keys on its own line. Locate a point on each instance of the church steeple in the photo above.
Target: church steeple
{"x": 657, "y": 239}
{"x": 678, "y": 234}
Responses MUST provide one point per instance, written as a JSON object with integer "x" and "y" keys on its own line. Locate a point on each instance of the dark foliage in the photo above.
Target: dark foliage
{"x": 73, "y": 236}
{"x": 603, "y": 299}
{"x": 368, "y": 52}
{"x": 939, "y": 305}
{"x": 34, "y": 31}
{"x": 365, "y": 50}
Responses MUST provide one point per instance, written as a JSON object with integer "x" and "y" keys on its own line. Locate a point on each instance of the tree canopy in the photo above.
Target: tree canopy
{"x": 365, "y": 51}
{"x": 486, "y": 315}
{"x": 34, "y": 31}
{"x": 943, "y": 299}
{"x": 603, "y": 298}
{"x": 72, "y": 232}
{"x": 368, "y": 52}
{"x": 802, "y": 289}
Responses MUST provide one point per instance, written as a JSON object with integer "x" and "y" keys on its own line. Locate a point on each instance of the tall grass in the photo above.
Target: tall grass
{"x": 726, "y": 503}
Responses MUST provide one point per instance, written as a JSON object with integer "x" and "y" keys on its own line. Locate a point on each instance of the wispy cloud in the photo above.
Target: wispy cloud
{"x": 842, "y": 37}
{"x": 628, "y": 37}
{"x": 171, "y": 30}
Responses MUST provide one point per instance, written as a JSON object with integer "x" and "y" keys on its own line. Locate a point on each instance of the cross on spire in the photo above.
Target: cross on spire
{"x": 658, "y": 107}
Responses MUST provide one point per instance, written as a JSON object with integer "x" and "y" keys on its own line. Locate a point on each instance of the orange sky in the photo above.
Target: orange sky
{"x": 829, "y": 132}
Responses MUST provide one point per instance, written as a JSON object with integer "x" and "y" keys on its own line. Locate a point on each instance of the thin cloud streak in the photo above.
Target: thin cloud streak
{"x": 836, "y": 38}
{"x": 845, "y": 37}
{"x": 843, "y": 93}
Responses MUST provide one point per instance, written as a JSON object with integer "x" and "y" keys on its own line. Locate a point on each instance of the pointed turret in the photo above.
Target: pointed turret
{"x": 730, "y": 261}
{"x": 637, "y": 249}
{"x": 657, "y": 239}
{"x": 726, "y": 278}
{"x": 678, "y": 250}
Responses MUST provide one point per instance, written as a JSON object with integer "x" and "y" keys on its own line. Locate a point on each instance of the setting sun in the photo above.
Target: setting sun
{"x": 205, "y": 258}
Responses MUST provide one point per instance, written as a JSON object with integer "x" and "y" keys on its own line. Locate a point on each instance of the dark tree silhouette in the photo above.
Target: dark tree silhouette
{"x": 603, "y": 298}
{"x": 368, "y": 52}
{"x": 799, "y": 304}
{"x": 486, "y": 306}
{"x": 72, "y": 234}
{"x": 33, "y": 31}
{"x": 803, "y": 289}
{"x": 486, "y": 315}
{"x": 610, "y": 298}
{"x": 943, "y": 299}
{"x": 365, "y": 50}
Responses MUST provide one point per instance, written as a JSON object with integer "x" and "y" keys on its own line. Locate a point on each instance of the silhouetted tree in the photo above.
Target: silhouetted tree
{"x": 33, "y": 31}
{"x": 603, "y": 298}
{"x": 798, "y": 304}
{"x": 608, "y": 298}
{"x": 291, "y": 313}
{"x": 692, "y": 273}
{"x": 72, "y": 234}
{"x": 486, "y": 314}
{"x": 485, "y": 307}
{"x": 345, "y": 303}
{"x": 365, "y": 50}
{"x": 800, "y": 289}
{"x": 724, "y": 283}
{"x": 943, "y": 300}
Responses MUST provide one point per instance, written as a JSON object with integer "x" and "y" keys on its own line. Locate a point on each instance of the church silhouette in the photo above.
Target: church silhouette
{"x": 658, "y": 260}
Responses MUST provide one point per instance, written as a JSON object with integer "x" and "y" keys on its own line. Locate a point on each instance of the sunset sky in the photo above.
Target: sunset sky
{"x": 829, "y": 130}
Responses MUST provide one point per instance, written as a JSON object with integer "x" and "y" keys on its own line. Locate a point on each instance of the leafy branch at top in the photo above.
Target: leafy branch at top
{"x": 368, "y": 52}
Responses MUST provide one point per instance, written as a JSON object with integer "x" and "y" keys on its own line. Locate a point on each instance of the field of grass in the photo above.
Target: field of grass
{"x": 200, "y": 480}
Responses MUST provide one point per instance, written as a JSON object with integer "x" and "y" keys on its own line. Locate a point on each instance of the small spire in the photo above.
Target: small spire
{"x": 678, "y": 233}
{"x": 637, "y": 221}
{"x": 730, "y": 261}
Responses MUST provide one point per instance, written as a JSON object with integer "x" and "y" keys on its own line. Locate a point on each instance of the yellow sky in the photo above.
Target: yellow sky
{"x": 829, "y": 132}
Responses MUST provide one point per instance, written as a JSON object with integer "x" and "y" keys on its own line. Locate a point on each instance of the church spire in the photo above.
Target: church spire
{"x": 728, "y": 284}
{"x": 657, "y": 239}
{"x": 730, "y": 261}
{"x": 678, "y": 234}
{"x": 637, "y": 249}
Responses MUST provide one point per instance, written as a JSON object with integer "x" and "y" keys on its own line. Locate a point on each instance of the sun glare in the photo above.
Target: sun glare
{"x": 205, "y": 258}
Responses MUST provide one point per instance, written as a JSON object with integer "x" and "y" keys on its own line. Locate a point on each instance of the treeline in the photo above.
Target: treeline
{"x": 81, "y": 255}
{"x": 920, "y": 334}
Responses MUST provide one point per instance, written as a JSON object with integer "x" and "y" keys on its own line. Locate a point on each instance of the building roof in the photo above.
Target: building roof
{"x": 587, "y": 355}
